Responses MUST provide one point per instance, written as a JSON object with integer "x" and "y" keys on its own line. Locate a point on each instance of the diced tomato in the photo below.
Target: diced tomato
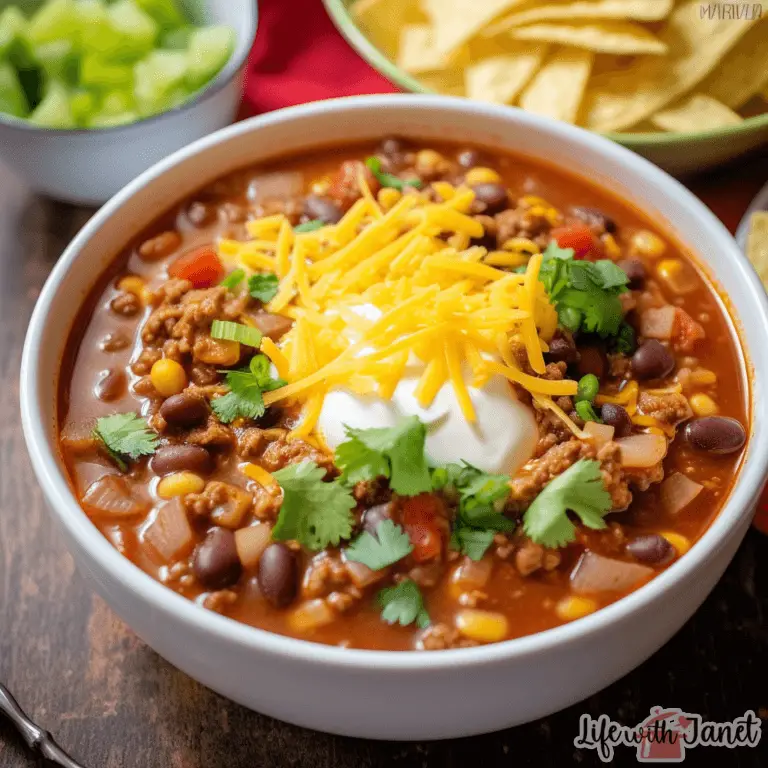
{"x": 200, "y": 266}
{"x": 686, "y": 332}
{"x": 577, "y": 236}
{"x": 421, "y": 515}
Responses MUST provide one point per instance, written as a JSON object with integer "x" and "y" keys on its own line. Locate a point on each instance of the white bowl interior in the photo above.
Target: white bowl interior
{"x": 345, "y": 121}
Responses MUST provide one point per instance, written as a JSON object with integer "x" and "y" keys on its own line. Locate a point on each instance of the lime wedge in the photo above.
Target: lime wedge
{"x": 209, "y": 50}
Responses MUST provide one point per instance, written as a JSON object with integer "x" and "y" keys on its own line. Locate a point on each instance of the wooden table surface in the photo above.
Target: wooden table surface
{"x": 113, "y": 702}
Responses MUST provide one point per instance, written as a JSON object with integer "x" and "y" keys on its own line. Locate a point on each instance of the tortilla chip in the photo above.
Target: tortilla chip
{"x": 697, "y": 112}
{"x": 558, "y": 87}
{"x": 450, "y": 82}
{"x": 382, "y": 20}
{"x": 741, "y": 74}
{"x": 616, "y": 101}
{"x": 639, "y": 10}
{"x": 500, "y": 78}
{"x": 456, "y": 22}
{"x": 757, "y": 244}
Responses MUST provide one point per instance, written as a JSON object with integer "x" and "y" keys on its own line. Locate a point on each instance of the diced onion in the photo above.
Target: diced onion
{"x": 362, "y": 575}
{"x": 599, "y": 433}
{"x": 311, "y": 615}
{"x": 642, "y": 451}
{"x": 595, "y": 573}
{"x": 658, "y": 323}
{"x": 471, "y": 574}
{"x": 111, "y": 496}
{"x": 251, "y": 542}
{"x": 170, "y": 534}
{"x": 226, "y": 330}
{"x": 678, "y": 491}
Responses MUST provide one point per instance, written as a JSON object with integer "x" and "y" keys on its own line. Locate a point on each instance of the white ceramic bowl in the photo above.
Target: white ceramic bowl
{"x": 88, "y": 166}
{"x": 392, "y": 695}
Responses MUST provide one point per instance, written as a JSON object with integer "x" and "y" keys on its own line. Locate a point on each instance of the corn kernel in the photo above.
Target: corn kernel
{"x": 444, "y": 189}
{"x": 645, "y": 243}
{"x": 679, "y": 542}
{"x": 703, "y": 405}
{"x": 387, "y": 197}
{"x": 572, "y": 607}
{"x": 429, "y": 160}
{"x": 612, "y": 250}
{"x": 179, "y": 484}
{"x": 506, "y": 259}
{"x": 483, "y": 626}
{"x": 311, "y": 615}
{"x": 168, "y": 377}
{"x": 481, "y": 175}
{"x": 703, "y": 377}
{"x": 135, "y": 285}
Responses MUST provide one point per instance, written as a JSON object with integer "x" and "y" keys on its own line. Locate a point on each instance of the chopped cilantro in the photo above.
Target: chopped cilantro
{"x": 309, "y": 226}
{"x": 233, "y": 279}
{"x": 481, "y": 500}
{"x": 390, "y": 544}
{"x": 585, "y": 293}
{"x": 625, "y": 342}
{"x": 580, "y": 490}
{"x": 403, "y": 604}
{"x": 314, "y": 513}
{"x": 387, "y": 179}
{"x": 125, "y": 436}
{"x": 244, "y": 400}
{"x": 396, "y": 453}
{"x": 263, "y": 286}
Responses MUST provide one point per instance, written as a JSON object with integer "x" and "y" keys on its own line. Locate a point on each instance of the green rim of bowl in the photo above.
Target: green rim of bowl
{"x": 338, "y": 10}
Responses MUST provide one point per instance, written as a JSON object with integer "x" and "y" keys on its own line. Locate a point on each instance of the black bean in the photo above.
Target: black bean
{"x": 635, "y": 271}
{"x": 592, "y": 360}
{"x": 375, "y": 515}
{"x": 615, "y": 416}
{"x": 111, "y": 384}
{"x": 715, "y": 434}
{"x": 563, "y": 350}
{"x": 469, "y": 158}
{"x": 652, "y": 549}
{"x": 494, "y": 196}
{"x": 323, "y": 209}
{"x": 184, "y": 410}
{"x": 216, "y": 563}
{"x": 594, "y": 218}
{"x": 175, "y": 458}
{"x": 652, "y": 360}
{"x": 278, "y": 575}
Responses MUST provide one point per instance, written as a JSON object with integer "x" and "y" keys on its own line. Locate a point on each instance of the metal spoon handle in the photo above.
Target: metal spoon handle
{"x": 37, "y": 739}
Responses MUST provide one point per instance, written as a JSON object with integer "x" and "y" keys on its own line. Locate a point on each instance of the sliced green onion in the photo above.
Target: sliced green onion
{"x": 588, "y": 388}
{"x": 228, "y": 331}
{"x": 587, "y": 412}
{"x": 387, "y": 179}
{"x": 309, "y": 226}
{"x": 233, "y": 279}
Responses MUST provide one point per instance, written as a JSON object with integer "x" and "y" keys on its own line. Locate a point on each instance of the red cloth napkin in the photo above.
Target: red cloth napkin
{"x": 300, "y": 56}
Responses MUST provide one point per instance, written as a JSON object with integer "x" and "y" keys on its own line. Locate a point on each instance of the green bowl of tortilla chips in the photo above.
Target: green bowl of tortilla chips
{"x": 682, "y": 82}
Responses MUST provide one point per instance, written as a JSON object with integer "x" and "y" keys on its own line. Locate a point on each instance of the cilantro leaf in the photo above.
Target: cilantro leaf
{"x": 263, "y": 286}
{"x": 580, "y": 490}
{"x": 403, "y": 604}
{"x": 125, "y": 436}
{"x": 390, "y": 544}
{"x": 309, "y": 226}
{"x": 396, "y": 453}
{"x": 387, "y": 179}
{"x": 244, "y": 400}
{"x": 472, "y": 542}
{"x": 315, "y": 513}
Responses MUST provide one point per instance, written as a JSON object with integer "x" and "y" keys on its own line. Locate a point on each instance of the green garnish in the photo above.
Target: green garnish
{"x": 229, "y": 331}
{"x": 403, "y": 604}
{"x": 580, "y": 490}
{"x": 587, "y": 388}
{"x": 387, "y": 179}
{"x": 390, "y": 544}
{"x": 126, "y": 436}
{"x": 263, "y": 286}
{"x": 625, "y": 342}
{"x": 244, "y": 400}
{"x": 314, "y": 513}
{"x": 587, "y": 412}
{"x": 396, "y": 453}
{"x": 309, "y": 226}
{"x": 481, "y": 501}
{"x": 585, "y": 293}
{"x": 233, "y": 279}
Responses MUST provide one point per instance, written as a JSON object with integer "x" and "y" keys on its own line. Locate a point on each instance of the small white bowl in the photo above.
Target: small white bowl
{"x": 88, "y": 166}
{"x": 379, "y": 694}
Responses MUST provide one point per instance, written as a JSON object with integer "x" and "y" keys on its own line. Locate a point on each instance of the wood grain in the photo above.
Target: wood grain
{"x": 112, "y": 702}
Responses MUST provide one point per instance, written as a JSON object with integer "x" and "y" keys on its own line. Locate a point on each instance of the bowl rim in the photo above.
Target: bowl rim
{"x": 230, "y": 71}
{"x": 338, "y": 10}
{"x": 51, "y": 476}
